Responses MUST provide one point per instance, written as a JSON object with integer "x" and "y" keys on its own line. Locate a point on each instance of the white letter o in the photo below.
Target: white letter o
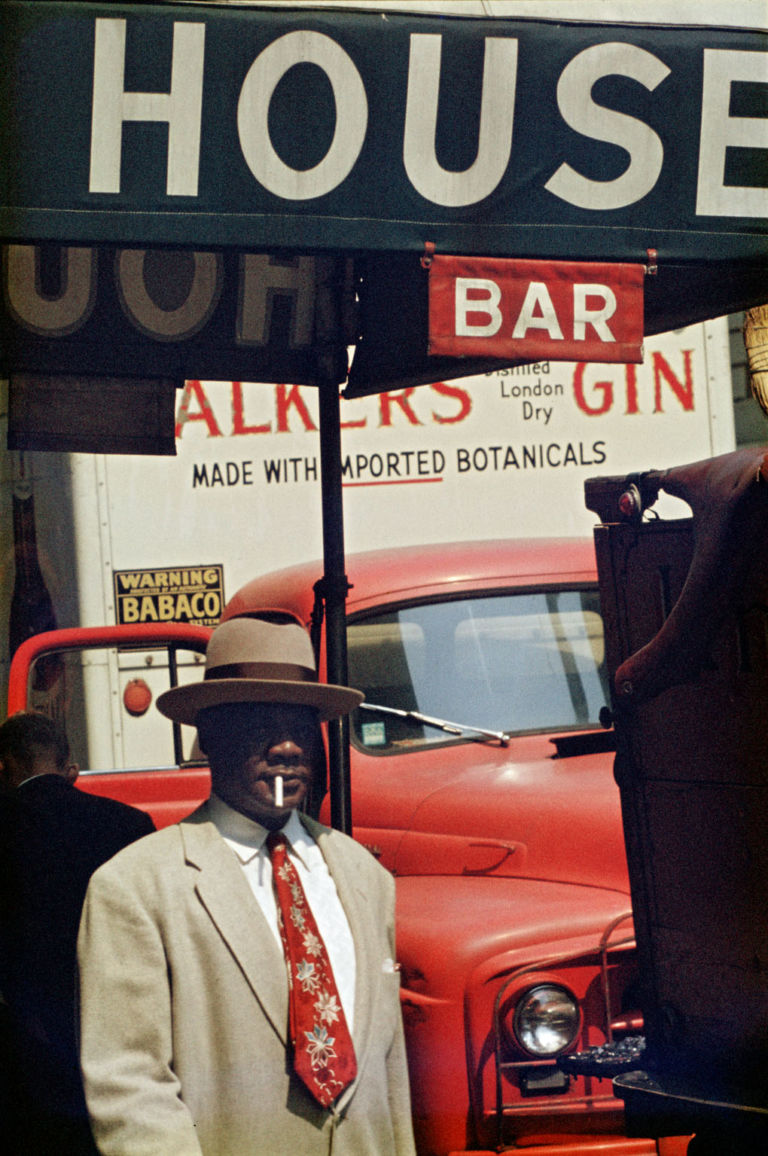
{"x": 260, "y": 82}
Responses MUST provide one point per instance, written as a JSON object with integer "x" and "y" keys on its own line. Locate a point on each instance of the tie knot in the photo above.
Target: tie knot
{"x": 276, "y": 840}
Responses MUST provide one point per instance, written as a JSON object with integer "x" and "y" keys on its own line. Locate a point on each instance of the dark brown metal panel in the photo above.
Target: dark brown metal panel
{"x": 692, "y": 767}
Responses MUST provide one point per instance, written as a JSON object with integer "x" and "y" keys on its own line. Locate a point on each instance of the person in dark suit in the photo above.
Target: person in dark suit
{"x": 52, "y": 839}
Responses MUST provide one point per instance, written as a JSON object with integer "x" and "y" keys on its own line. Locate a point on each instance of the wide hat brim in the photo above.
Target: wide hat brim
{"x": 183, "y": 703}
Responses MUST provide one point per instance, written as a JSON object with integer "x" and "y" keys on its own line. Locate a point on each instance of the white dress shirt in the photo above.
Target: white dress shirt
{"x": 247, "y": 839}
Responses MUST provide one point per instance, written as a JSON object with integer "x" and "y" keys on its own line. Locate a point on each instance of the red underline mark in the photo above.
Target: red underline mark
{"x": 400, "y": 482}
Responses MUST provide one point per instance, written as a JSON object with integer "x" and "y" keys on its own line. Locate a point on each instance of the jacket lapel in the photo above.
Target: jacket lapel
{"x": 232, "y": 907}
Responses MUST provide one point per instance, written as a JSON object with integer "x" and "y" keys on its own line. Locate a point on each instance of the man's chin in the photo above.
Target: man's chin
{"x": 268, "y": 813}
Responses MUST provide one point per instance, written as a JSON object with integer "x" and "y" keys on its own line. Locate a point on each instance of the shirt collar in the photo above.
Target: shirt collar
{"x": 45, "y": 775}
{"x": 246, "y": 837}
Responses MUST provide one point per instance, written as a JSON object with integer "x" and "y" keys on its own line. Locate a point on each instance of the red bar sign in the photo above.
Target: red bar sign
{"x": 535, "y": 310}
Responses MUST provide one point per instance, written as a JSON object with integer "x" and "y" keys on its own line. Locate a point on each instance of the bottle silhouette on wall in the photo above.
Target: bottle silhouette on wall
{"x": 31, "y": 606}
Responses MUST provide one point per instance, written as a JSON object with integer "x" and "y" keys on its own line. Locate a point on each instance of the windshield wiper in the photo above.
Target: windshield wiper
{"x": 442, "y": 724}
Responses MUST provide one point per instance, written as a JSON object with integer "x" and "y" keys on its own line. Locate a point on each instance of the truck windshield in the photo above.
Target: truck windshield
{"x": 515, "y": 662}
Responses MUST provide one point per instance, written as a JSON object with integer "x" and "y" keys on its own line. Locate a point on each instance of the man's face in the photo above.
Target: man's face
{"x": 250, "y": 744}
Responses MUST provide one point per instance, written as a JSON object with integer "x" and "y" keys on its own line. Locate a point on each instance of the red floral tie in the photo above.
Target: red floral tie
{"x": 323, "y": 1052}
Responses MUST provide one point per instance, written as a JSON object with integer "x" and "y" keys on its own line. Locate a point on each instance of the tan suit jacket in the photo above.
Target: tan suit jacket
{"x": 184, "y": 1008}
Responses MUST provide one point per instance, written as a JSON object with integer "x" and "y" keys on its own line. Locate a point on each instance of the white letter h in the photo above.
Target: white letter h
{"x": 181, "y": 108}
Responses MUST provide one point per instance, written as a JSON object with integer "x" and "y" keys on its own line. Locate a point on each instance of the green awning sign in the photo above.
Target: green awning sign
{"x": 304, "y": 129}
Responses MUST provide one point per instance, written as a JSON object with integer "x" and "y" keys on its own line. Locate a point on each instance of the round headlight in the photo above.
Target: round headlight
{"x": 546, "y": 1020}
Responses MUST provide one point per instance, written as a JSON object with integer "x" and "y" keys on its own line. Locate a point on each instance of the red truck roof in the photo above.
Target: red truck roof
{"x": 378, "y": 576}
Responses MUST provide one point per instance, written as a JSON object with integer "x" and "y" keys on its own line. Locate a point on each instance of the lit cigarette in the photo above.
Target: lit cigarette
{"x": 278, "y": 790}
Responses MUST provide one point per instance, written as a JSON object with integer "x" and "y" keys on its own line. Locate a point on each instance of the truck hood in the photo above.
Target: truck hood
{"x": 497, "y": 925}
{"x": 531, "y": 815}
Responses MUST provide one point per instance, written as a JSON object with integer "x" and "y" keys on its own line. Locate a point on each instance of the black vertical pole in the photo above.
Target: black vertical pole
{"x": 335, "y": 588}
{"x": 332, "y": 338}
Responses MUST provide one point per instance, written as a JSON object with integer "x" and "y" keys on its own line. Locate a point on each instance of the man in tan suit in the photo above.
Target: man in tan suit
{"x": 192, "y": 1036}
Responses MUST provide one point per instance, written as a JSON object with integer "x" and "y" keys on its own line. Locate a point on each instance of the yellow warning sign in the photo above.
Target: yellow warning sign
{"x": 177, "y": 594}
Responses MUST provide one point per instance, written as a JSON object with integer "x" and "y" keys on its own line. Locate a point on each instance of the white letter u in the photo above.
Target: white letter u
{"x": 497, "y": 108}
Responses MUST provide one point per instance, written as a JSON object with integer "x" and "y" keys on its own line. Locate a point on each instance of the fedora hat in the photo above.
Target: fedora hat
{"x": 250, "y": 660}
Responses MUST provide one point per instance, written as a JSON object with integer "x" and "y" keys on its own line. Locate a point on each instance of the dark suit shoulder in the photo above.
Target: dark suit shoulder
{"x": 53, "y": 794}
{"x": 118, "y": 812}
{"x": 61, "y": 829}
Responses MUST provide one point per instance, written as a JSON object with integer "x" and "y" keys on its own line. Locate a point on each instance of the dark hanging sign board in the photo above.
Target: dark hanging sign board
{"x": 84, "y": 414}
{"x": 394, "y": 288}
{"x": 252, "y": 127}
{"x": 177, "y": 313}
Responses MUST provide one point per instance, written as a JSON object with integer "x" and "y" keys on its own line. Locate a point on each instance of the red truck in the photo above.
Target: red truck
{"x": 481, "y": 777}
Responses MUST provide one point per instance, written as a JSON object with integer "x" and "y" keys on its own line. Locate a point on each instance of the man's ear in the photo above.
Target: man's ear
{"x": 12, "y": 772}
{"x": 71, "y": 773}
